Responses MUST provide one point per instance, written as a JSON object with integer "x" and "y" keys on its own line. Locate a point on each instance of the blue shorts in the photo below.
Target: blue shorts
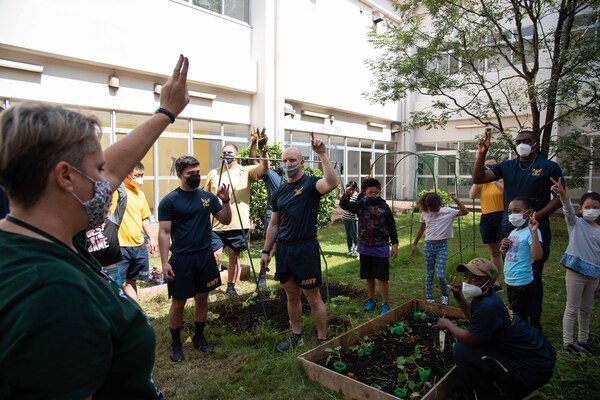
{"x": 374, "y": 267}
{"x": 236, "y": 239}
{"x": 113, "y": 273}
{"x": 490, "y": 227}
{"x": 194, "y": 273}
{"x": 300, "y": 261}
{"x": 134, "y": 265}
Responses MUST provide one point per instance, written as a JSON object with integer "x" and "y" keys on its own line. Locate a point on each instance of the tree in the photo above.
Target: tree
{"x": 535, "y": 62}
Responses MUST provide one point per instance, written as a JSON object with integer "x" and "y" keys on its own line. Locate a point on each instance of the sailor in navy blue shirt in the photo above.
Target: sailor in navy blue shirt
{"x": 184, "y": 228}
{"x": 495, "y": 348}
{"x": 294, "y": 226}
{"x": 527, "y": 175}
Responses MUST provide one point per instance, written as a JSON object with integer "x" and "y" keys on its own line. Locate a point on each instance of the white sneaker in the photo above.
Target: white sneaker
{"x": 431, "y": 301}
{"x": 444, "y": 300}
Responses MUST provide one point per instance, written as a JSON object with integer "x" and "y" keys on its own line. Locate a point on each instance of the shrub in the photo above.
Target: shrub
{"x": 258, "y": 196}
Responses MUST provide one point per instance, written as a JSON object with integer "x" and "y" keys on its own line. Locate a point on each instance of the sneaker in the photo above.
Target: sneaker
{"x": 385, "y": 307}
{"x": 262, "y": 280}
{"x": 321, "y": 341}
{"x": 177, "y": 353}
{"x": 350, "y": 253}
{"x": 357, "y": 256}
{"x": 369, "y": 305}
{"x": 444, "y": 300}
{"x": 585, "y": 347}
{"x": 431, "y": 301}
{"x": 571, "y": 349}
{"x": 201, "y": 343}
{"x": 293, "y": 341}
{"x": 231, "y": 291}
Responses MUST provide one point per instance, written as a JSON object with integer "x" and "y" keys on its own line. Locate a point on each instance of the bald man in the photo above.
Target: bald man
{"x": 294, "y": 226}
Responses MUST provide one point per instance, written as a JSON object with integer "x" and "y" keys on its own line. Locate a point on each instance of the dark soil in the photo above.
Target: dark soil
{"x": 379, "y": 369}
{"x": 238, "y": 317}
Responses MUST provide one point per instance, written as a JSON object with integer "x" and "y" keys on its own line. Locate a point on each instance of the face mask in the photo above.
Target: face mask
{"x": 228, "y": 158}
{"x": 138, "y": 182}
{"x": 471, "y": 291}
{"x": 291, "y": 171}
{"x": 591, "y": 214}
{"x": 516, "y": 219}
{"x": 98, "y": 206}
{"x": 523, "y": 150}
{"x": 193, "y": 181}
{"x": 371, "y": 200}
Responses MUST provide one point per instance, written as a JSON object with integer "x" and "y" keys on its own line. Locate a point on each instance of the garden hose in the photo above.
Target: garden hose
{"x": 327, "y": 297}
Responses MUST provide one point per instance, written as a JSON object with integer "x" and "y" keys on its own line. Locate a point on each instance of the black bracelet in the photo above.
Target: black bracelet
{"x": 225, "y": 202}
{"x": 166, "y": 112}
{"x": 267, "y": 252}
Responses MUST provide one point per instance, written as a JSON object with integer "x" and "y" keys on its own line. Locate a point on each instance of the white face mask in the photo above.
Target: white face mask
{"x": 516, "y": 219}
{"x": 471, "y": 291}
{"x": 591, "y": 214}
{"x": 138, "y": 182}
{"x": 523, "y": 150}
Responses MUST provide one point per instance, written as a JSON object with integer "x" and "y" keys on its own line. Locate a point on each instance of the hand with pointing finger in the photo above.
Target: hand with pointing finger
{"x": 317, "y": 146}
{"x": 454, "y": 287}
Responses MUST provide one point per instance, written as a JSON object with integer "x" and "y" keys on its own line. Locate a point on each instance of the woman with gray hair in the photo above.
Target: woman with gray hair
{"x": 68, "y": 331}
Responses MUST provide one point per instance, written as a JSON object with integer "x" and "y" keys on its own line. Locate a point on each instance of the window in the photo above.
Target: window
{"x": 237, "y": 9}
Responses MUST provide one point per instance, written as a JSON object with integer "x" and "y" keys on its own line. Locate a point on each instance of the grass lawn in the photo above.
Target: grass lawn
{"x": 248, "y": 366}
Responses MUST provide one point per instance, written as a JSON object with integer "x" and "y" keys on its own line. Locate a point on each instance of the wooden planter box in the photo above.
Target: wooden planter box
{"x": 352, "y": 389}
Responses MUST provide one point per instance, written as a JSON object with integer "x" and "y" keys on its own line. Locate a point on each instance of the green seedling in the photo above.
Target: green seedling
{"x": 364, "y": 347}
{"x": 334, "y": 354}
{"x": 424, "y": 374}
{"x": 398, "y": 328}
{"x": 419, "y": 315}
{"x": 401, "y": 392}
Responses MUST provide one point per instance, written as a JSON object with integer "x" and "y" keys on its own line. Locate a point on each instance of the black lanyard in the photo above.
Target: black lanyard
{"x": 48, "y": 236}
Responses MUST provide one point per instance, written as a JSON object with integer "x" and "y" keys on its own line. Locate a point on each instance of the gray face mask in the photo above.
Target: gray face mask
{"x": 98, "y": 206}
{"x": 291, "y": 171}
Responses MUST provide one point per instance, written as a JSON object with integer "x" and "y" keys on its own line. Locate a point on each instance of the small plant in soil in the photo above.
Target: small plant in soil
{"x": 336, "y": 355}
{"x": 364, "y": 347}
{"x": 398, "y": 328}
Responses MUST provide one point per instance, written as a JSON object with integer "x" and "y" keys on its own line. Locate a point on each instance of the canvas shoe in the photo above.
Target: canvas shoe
{"x": 585, "y": 347}
{"x": 231, "y": 291}
{"x": 570, "y": 348}
{"x": 385, "y": 307}
{"x": 294, "y": 341}
{"x": 350, "y": 253}
{"x": 369, "y": 305}
{"x": 262, "y": 280}
{"x": 444, "y": 300}
{"x": 176, "y": 353}
{"x": 201, "y": 343}
{"x": 431, "y": 301}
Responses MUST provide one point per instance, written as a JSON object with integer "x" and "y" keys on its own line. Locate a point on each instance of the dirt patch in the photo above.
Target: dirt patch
{"x": 379, "y": 358}
{"x": 244, "y": 313}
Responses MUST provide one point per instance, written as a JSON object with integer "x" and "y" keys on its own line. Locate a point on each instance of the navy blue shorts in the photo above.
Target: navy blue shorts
{"x": 194, "y": 273}
{"x": 300, "y": 261}
{"x": 236, "y": 239}
{"x": 374, "y": 267}
{"x": 134, "y": 265}
{"x": 490, "y": 227}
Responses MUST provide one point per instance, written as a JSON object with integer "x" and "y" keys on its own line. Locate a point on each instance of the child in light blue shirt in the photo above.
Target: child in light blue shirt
{"x": 521, "y": 248}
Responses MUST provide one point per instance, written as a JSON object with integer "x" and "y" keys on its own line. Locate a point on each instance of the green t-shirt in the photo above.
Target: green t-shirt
{"x": 68, "y": 331}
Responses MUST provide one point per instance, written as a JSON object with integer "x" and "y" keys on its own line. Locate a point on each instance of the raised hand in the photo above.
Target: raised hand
{"x": 174, "y": 94}
{"x": 484, "y": 144}
{"x": 505, "y": 245}
{"x": 223, "y": 193}
{"x": 317, "y": 146}
{"x": 558, "y": 188}
{"x": 454, "y": 287}
{"x": 533, "y": 223}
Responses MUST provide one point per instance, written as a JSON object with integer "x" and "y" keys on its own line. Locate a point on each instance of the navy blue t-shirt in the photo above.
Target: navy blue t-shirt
{"x": 491, "y": 322}
{"x": 189, "y": 213}
{"x": 298, "y": 207}
{"x": 531, "y": 180}
{"x": 272, "y": 179}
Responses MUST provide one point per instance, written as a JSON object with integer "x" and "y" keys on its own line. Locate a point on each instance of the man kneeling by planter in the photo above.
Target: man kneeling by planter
{"x": 494, "y": 348}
